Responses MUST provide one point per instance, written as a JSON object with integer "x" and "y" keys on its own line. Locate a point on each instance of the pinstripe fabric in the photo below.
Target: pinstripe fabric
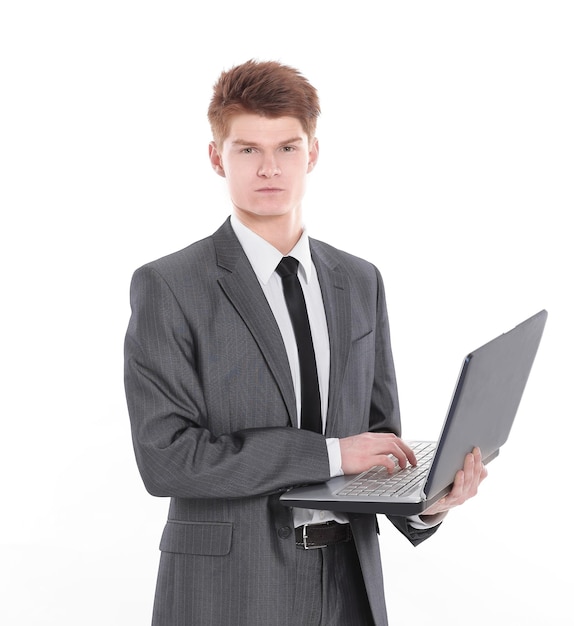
{"x": 212, "y": 406}
{"x": 330, "y": 589}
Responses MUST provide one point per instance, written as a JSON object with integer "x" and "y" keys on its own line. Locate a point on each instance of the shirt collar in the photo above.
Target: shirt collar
{"x": 264, "y": 257}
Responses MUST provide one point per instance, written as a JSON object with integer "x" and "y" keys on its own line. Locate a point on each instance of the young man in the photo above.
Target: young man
{"x": 214, "y": 388}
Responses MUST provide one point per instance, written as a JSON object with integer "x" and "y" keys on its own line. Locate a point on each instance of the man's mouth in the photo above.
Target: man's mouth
{"x": 269, "y": 190}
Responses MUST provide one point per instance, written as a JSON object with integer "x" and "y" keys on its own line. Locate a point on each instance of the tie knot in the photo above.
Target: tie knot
{"x": 287, "y": 267}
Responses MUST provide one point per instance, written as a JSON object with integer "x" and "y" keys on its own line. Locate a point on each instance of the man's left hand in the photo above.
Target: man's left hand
{"x": 465, "y": 484}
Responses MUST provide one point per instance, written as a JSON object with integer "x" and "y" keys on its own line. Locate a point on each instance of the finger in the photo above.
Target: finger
{"x": 386, "y": 461}
{"x": 473, "y": 477}
{"x": 481, "y": 474}
{"x": 469, "y": 462}
{"x": 411, "y": 456}
{"x": 457, "y": 491}
{"x": 478, "y": 469}
{"x": 469, "y": 473}
{"x": 475, "y": 473}
{"x": 404, "y": 453}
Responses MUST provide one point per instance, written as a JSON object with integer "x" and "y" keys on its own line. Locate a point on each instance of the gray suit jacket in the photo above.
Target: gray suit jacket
{"x": 212, "y": 409}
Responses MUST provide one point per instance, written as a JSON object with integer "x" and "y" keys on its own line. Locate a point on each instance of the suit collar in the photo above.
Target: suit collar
{"x": 264, "y": 257}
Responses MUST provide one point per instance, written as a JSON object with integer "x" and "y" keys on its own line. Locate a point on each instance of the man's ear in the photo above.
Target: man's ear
{"x": 215, "y": 159}
{"x": 313, "y": 154}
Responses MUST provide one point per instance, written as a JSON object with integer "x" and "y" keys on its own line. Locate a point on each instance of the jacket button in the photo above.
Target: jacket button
{"x": 284, "y": 532}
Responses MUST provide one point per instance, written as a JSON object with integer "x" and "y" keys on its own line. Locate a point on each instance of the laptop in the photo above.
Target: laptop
{"x": 481, "y": 413}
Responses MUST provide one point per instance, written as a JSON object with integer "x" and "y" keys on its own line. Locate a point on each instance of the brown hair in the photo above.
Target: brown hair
{"x": 265, "y": 88}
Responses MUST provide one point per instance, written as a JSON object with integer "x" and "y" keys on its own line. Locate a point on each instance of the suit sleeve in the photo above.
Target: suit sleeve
{"x": 385, "y": 411}
{"x": 176, "y": 453}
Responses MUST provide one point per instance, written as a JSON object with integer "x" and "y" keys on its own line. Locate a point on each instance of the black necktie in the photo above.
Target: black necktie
{"x": 310, "y": 398}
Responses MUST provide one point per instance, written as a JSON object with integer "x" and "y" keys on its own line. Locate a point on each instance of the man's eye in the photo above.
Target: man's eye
{"x": 288, "y": 148}
{"x": 247, "y": 150}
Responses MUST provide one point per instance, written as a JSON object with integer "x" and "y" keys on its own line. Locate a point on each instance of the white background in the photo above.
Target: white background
{"x": 447, "y": 159}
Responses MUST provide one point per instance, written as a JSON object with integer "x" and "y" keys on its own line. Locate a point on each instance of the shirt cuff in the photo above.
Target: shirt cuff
{"x": 334, "y": 452}
{"x": 430, "y": 521}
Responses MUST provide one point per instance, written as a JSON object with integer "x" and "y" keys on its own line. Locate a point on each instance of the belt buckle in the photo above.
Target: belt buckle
{"x": 305, "y": 536}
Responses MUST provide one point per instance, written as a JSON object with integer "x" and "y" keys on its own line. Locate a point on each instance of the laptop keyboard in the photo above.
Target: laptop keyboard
{"x": 378, "y": 482}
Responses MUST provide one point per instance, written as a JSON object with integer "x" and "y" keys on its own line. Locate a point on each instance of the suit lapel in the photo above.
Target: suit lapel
{"x": 241, "y": 286}
{"x": 337, "y": 301}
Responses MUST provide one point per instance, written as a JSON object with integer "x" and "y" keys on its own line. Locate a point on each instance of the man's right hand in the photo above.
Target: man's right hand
{"x": 361, "y": 452}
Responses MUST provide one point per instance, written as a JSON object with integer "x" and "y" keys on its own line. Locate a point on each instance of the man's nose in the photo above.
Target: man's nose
{"x": 268, "y": 167}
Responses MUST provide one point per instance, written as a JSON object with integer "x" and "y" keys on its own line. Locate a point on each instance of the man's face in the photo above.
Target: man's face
{"x": 265, "y": 162}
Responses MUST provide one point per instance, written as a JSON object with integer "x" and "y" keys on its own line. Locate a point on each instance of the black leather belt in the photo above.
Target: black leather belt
{"x": 312, "y": 536}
